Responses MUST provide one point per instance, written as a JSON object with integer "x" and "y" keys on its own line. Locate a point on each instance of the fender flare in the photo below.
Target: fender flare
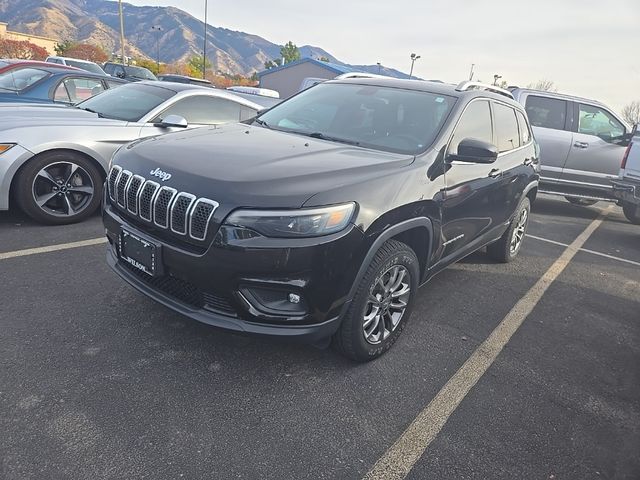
{"x": 404, "y": 226}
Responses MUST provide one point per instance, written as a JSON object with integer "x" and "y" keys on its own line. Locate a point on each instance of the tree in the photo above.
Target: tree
{"x": 268, "y": 65}
{"x": 86, "y": 51}
{"x": 195, "y": 65}
{"x": 290, "y": 52}
{"x": 21, "y": 49}
{"x": 62, "y": 47}
{"x": 152, "y": 66}
{"x": 543, "y": 85}
{"x": 631, "y": 112}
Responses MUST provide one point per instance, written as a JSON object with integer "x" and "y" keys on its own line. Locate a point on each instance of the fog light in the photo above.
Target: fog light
{"x": 293, "y": 298}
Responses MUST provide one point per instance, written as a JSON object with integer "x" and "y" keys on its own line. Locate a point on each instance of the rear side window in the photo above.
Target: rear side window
{"x": 20, "y": 79}
{"x": 525, "y": 131}
{"x": 507, "y": 133}
{"x": 546, "y": 112}
{"x": 474, "y": 123}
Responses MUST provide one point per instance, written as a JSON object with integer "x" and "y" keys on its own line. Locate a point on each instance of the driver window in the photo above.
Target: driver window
{"x": 597, "y": 121}
{"x": 475, "y": 123}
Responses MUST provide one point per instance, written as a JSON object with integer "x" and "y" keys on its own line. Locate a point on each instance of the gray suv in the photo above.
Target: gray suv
{"x": 582, "y": 143}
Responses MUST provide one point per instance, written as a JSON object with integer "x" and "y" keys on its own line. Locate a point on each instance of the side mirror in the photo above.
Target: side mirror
{"x": 120, "y": 75}
{"x": 475, "y": 151}
{"x": 172, "y": 121}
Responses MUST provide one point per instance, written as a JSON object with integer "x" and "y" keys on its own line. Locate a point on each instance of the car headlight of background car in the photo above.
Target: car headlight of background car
{"x": 5, "y": 147}
{"x": 306, "y": 222}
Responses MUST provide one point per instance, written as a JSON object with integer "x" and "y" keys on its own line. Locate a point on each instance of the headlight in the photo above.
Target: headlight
{"x": 312, "y": 222}
{"x": 5, "y": 146}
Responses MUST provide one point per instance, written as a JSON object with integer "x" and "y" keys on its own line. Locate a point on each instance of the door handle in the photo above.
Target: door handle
{"x": 496, "y": 172}
{"x": 581, "y": 145}
{"x": 528, "y": 161}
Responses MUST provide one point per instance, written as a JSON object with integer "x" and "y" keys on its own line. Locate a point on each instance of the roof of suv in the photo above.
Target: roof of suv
{"x": 563, "y": 96}
{"x": 428, "y": 86}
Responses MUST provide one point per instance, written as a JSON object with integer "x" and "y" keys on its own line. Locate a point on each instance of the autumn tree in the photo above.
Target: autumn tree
{"x": 543, "y": 85}
{"x": 21, "y": 49}
{"x": 289, "y": 52}
{"x": 86, "y": 51}
{"x": 195, "y": 64}
{"x": 631, "y": 112}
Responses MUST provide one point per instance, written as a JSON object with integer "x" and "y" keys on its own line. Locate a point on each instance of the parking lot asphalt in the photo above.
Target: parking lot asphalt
{"x": 99, "y": 382}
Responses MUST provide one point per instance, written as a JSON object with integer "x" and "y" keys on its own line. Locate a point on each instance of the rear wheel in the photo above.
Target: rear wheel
{"x": 508, "y": 247}
{"x": 583, "y": 202}
{"x": 59, "y": 188}
{"x": 382, "y": 304}
{"x": 632, "y": 212}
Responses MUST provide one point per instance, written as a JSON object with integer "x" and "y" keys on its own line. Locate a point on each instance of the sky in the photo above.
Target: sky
{"x": 589, "y": 48}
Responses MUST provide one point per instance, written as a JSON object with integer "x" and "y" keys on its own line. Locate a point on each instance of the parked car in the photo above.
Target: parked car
{"x": 627, "y": 188}
{"x": 265, "y": 92}
{"x": 76, "y": 62}
{"x": 128, "y": 72}
{"x": 171, "y": 77}
{"x": 54, "y": 159}
{"x": 29, "y": 82}
{"x": 322, "y": 217}
{"x": 581, "y": 144}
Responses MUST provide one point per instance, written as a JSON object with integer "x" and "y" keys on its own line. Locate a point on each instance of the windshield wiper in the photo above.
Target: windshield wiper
{"x": 100, "y": 115}
{"x": 322, "y": 136}
{"x": 262, "y": 123}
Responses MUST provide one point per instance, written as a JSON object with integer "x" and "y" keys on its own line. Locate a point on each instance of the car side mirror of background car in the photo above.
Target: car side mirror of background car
{"x": 475, "y": 151}
{"x": 172, "y": 121}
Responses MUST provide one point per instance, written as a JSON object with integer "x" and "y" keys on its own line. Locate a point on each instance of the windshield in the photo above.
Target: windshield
{"x": 389, "y": 119}
{"x": 20, "y": 79}
{"x": 129, "y": 102}
{"x": 88, "y": 66}
{"x": 139, "y": 72}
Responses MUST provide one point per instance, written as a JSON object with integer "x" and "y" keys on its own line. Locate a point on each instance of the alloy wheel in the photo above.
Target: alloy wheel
{"x": 62, "y": 189}
{"x": 519, "y": 231}
{"x": 386, "y": 305}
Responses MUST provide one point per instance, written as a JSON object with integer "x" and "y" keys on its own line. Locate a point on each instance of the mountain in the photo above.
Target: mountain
{"x": 181, "y": 35}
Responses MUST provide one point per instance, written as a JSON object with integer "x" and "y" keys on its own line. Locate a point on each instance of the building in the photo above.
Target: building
{"x": 288, "y": 78}
{"x": 45, "y": 42}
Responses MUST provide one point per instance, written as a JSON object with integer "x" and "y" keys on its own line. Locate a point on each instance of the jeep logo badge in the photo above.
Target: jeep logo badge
{"x": 164, "y": 176}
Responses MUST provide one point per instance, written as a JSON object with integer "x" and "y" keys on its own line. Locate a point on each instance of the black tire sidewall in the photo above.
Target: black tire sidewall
{"x": 399, "y": 254}
{"x": 24, "y": 182}
{"x": 632, "y": 212}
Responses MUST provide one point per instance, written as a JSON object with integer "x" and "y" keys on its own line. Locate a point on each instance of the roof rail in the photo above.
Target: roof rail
{"x": 466, "y": 85}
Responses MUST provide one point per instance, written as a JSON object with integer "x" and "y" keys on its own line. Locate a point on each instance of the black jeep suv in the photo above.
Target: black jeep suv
{"x": 321, "y": 217}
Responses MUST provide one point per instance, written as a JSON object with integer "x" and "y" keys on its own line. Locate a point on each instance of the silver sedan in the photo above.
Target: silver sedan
{"x": 53, "y": 160}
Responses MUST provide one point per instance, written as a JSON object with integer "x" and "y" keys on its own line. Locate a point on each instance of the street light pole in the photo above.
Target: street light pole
{"x": 158, "y": 29}
{"x": 414, "y": 57}
{"x": 121, "y": 31}
{"x": 204, "y": 50}
{"x": 379, "y": 67}
{"x": 496, "y": 77}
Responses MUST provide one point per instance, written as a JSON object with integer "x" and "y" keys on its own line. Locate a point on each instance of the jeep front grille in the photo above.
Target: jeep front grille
{"x": 164, "y": 207}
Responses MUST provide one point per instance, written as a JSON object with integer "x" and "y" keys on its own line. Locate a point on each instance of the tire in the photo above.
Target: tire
{"x": 632, "y": 212}
{"x": 359, "y": 341}
{"x": 506, "y": 249}
{"x": 59, "y": 188}
{"x": 583, "y": 202}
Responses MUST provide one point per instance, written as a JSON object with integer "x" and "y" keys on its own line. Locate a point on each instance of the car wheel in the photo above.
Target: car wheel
{"x": 59, "y": 188}
{"x": 382, "y": 304}
{"x": 507, "y": 248}
{"x": 583, "y": 202}
{"x": 632, "y": 212}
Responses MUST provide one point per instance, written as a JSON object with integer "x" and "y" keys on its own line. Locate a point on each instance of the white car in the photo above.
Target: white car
{"x": 76, "y": 62}
{"x": 54, "y": 159}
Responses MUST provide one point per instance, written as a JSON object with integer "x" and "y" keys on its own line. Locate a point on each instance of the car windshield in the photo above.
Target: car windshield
{"x": 20, "y": 79}
{"x": 382, "y": 118}
{"x": 139, "y": 72}
{"x": 88, "y": 66}
{"x": 129, "y": 102}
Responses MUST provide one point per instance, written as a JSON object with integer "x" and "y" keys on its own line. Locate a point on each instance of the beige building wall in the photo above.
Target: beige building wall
{"x": 288, "y": 80}
{"x": 45, "y": 42}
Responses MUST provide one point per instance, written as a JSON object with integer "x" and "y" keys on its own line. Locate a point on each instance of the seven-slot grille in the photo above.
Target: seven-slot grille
{"x": 165, "y": 207}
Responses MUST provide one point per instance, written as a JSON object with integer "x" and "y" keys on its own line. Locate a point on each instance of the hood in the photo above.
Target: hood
{"x": 18, "y": 115}
{"x": 250, "y": 166}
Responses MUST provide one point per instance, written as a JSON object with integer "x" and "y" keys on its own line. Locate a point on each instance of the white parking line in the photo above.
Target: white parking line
{"x": 586, "y": 250}
{"x": 52, "y": 248}
{"x": 400, "y": 458}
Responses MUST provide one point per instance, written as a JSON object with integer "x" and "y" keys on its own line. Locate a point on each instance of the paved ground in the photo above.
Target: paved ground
{"x": 98, "y": 382}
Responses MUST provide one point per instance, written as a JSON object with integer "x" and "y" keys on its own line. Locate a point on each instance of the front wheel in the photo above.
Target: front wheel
{"x": 382, "y": 304}
{"x": 59, "y": 188}
{"x": 632, "y": 212}
{"x": 507, "y": 248}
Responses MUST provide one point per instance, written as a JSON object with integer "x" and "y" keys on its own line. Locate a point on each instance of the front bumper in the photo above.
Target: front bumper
{"x": 211, "y": 287}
